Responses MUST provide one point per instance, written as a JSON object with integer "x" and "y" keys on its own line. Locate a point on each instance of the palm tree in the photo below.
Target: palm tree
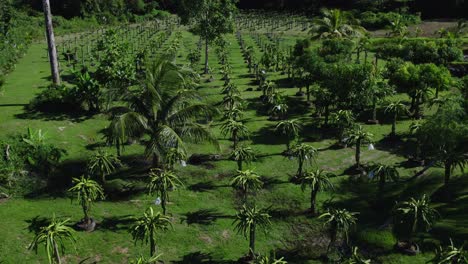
{"x": 303, "y": 153}
{"x": 53, "y": 237}
{"x": 248, "y": 219}
{"x": 87, "y": 192}
{"x": 343, "y": 120}
{"x": 235, "y": 129}
{"x": 357, "y": 137}
{"x": 415, "y": 130}
{"x": 290, "y": 129}
{"x": 235, "y": 113}
{"x": 318, "y": 180}
{"x": 166, "y": 108}
{"x": 413, "y": 215}
{"x": 396, "y": 109}
{"x": 450, "y": 255}
{"x": 339, "y": 221}
{"x": 246, "y": 181}
{"x": 356, "y": 258}
{"x": 161, "y": 182}
{"x": 102, "y": 163}
{"x": 335, "y": 24}
{"x": 145, "y": 228}
{"x": 383, "y": 173}
{"x": 243, "y": 154}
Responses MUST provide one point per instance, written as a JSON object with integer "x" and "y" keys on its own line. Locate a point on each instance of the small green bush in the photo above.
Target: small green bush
{"x": 54, "y": 99}
{"x": 379, "y": 20}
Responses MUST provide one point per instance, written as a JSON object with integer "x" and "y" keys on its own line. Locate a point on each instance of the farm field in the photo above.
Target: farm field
{"x": 202, "y": 211}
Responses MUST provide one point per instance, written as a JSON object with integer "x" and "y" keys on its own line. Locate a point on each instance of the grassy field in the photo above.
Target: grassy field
{"x": 203, "y": 212}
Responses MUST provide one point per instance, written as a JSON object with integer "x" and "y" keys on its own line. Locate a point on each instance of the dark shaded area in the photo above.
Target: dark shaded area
{"x": 114, "y": 223}
{"x": 35, "y": 223}
{"x": 203, "y": 217}
{"x": 202, "y": 258}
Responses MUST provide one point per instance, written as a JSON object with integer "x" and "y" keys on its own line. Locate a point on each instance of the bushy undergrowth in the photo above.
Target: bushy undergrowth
{"x": 380, "y": 20}
{"x": 27, "y": 159}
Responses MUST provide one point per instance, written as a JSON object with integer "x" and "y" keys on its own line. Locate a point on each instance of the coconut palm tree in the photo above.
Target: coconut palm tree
{"x": 450, "y": 255}
{"x": 87, "y": 192}
{"x": 53, "y": 237}
{"x": 290, "y": 129}
{"x": 243, "y": 154}
{"x": 317, "y": 180}
{"x": 358, "y": 137}
{"x": 235, "y": 129}
{"x": 413, "y": 215}
{"x": 248, "y": 219}
{"x": 383, "y": 173}
{"x": 335, "y": 24}
{"x": 246, "y": 181}
{"x": 102, "y": 163}
{"x": 303, "y": 153}
{"x": 396, "y": 109}
{"x": 145, "y": 228}
{"x": 339, "y": 221}
{"x": 165, "y": 108}
{"x": 161, "y": 182}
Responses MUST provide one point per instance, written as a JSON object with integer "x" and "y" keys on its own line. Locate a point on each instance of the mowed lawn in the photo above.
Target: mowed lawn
{"x": 203, "y": 212}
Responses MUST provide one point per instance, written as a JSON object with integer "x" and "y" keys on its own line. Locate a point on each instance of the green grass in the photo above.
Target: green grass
{"x": 111, "y": 242}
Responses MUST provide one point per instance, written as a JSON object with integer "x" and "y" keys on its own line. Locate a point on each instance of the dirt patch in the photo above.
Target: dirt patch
{"x": 225, "y": 234}
{"x": 120, "y": 250}
{"x": 205, "y": 238}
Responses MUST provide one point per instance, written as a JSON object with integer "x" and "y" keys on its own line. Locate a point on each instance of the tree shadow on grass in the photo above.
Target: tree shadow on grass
{"x": 202, "y": 258}
{"x": 36, "y": 223}
{"x": 115, "y": 223}
{"x": 267, "y": 136}
{"x": 202, "y": 186}
{"x": 204, "y": 217}
{"x": 77, "y": 117}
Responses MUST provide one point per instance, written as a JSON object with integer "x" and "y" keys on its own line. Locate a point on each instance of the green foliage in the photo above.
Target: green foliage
{"x": 102, "y": 163}
{"x": 247, "y": 181}
{"x": 304, "y": 153}
{"x": 356, "y": 258}
{"x": 290, "y": 129}
{"x": 87, "y": 92}
{"x": 418, "y": 51}
{"x": 336, "y": 24}
{"x": 248, "y": 219}
{"x": 55, "y": 99}
{"x": 412, "y": 216}
{"x": 380, "y": 20}
{"x": 335, "y": 50}
{"x": 339, "y": 221}
{"x": 450, "y": 255}
{"x": 243, "y": 154}
{"x": 53, "y": 236}
{"x": 161, "y": 183}
{"x": 87, "y": 192}
{"x": 145, "y": 228}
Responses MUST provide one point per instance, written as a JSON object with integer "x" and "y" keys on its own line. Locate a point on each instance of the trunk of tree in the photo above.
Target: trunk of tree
{"x": 85, "y": 213}
{"x": 53, "y": 59}
{"x": 327, "y": 114}
{"x": 437, "y": 93}
{"x": 206, "y": 56}
{"x": 358, "y": 153}
{"x": 299, "y": 170}
{"x": 156, "y": 161}
{"x": 381, "y": 188}
{"x": 394, "y": 125}
{"x": 308, "y": 93}
{"x": 448, "y": 170}
{"x": 313, "y": 198}
{"x": 365, "y": 57}
{"x": 163, "y": 205}
{"x": 117, "y": 146}
{"x": 152, "y": 245}
{"x": 235, "y": 139}
{"x": 57, "y": 254}
{"x": 252, "y": 242}
{"x": 333, "y": 233}
{"x": 239, "y": 164}
{"x": 374, "y": 111}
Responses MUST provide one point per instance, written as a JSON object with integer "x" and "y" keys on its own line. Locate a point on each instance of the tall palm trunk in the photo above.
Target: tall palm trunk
{"x": 358, "y": 153}
{"x": 239, "y": 164}
{"x": 152, "y": 245}
{"x": 394, "y": 125}
{"x": 206, "y": 56}
{"x": 447, "y": 170}
{"x": 252, "y": 242}
{"x": 52, "y": 49}
{"x": 313, "y": 201}
{"x": 235, "y": 138}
